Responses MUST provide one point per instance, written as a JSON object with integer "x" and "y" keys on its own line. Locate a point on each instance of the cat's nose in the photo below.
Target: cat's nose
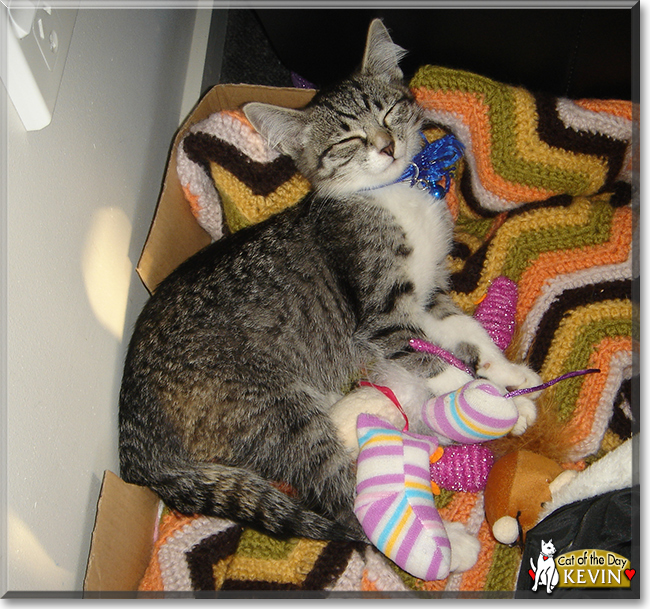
{"x": 389, "y": 149}
{"x": 385, "y": 143}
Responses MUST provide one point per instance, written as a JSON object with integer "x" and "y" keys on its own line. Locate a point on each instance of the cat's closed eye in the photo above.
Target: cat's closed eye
{"x": 341, "y": 151}
{"x": 349, "y": 140}
{"x": 395, "y": 112}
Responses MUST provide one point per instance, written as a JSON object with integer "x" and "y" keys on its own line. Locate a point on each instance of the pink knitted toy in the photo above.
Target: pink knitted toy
{"x": 496, "y": 312}
{"x": 462, "y": 467}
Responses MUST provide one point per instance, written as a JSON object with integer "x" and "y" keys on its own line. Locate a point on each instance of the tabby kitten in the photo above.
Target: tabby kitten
{"x": 239, "y": 356}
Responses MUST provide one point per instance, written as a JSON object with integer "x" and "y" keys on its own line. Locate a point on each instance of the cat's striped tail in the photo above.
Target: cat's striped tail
{"x": 243, "y": 496}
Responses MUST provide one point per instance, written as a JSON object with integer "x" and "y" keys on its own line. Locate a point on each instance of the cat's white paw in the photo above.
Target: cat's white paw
{"x": 515, "y": 376}
{"x": 465, "y": 548}
{"x": 509, "y": 375}
{"x": 527, "y": 414}
{"x": 448, "y": 380}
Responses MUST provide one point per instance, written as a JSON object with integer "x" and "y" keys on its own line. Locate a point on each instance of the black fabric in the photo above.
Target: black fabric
{"x": 248, "y": 56}
{"x": 605, "y": 522}
{"x": 560, "y": 51}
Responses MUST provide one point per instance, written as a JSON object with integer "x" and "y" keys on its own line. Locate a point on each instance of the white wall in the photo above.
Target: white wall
{"x": 80, "y": 196}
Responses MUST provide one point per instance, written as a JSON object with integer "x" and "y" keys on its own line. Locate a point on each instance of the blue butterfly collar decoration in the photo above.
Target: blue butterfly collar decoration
{"x": 434, "y": 166}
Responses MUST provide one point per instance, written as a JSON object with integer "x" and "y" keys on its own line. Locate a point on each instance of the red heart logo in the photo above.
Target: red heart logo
{"x": 630, "y": 573}
{"x": 531, "y": 573}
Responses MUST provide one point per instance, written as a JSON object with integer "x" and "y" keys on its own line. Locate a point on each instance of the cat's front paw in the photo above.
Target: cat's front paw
{"x": 509, "y": 375}
{"x": 515, "y": 376}
{"x": 527, "y": 414}
{"x": 448, "y": 380}
{"x": 465, "y": 548}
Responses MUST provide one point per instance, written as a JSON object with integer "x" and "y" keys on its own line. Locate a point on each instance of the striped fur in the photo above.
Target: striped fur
{"x": 238, "y": 357}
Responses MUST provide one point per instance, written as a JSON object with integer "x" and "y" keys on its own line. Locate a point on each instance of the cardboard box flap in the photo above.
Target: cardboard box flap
{"x": 175, "y": 234}
{"x": 122, "y": 539}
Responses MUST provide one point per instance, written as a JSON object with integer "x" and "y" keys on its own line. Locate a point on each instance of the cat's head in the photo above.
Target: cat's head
{"x": 361, "y": 133}
{"x": 547, "y": 547}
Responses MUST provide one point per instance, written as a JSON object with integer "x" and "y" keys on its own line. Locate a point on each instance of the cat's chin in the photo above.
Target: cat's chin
{"x": 363, "y": 181}
{"x": 388, "y": 174}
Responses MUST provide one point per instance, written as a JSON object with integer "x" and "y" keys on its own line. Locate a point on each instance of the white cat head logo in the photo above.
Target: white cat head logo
{"x": 545, "y": 572}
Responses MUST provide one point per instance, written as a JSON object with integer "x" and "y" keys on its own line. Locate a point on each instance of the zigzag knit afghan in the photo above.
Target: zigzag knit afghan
{"x": 542, "y": 198}
{"x": 522, "y": 147}
{"x": 226, "y": 169}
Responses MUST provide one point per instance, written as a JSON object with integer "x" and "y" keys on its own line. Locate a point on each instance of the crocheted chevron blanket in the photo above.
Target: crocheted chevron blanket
{"x": 544, "y": 197}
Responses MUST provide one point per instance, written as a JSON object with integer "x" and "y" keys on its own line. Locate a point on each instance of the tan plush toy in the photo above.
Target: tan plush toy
{"x": 517, "y": 486}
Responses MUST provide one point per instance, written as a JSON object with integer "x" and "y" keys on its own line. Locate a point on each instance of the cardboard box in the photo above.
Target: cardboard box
{"x": 175, "y": 234}
{"x": 122, "y": 538}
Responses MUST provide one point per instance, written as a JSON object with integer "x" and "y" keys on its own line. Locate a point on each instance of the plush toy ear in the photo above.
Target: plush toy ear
{"x": 283, "y": 128}
{"x": 382, "y": 55}
{"x": 506, "y": 530}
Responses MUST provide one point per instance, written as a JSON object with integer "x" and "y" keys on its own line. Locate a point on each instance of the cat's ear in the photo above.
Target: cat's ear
{"x": 282, "y": 128}
{"x": 382, "y": 55}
